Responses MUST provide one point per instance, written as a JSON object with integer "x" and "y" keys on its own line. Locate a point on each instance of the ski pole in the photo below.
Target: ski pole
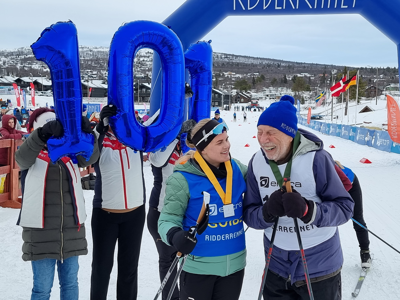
{"x": 170, "y": 270}
{"x": 206, "y": 201}
{"x": 268, "y": 259}
{"x": 376, "y": 235}
{"x": 303, "y": 256}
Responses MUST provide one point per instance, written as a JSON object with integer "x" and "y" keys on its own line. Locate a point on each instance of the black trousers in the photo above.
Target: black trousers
{"x": 166, "y": 254}
{"x": 210, "y": 287}
{"x": 362, "y": 234}
{"x": 277, "y": 287}
{"x": 107, "y": 228}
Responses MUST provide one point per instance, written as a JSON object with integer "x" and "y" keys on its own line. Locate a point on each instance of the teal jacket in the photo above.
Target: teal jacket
{"x": 176, "y": 201}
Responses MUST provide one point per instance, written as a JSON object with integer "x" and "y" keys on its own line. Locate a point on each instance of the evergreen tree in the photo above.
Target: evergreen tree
{"x": 254, "y": 82}
{"x": 274, "y": 81}
{"x": 284, "y": 79}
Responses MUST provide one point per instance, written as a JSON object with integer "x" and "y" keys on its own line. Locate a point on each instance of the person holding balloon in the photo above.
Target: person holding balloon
{"x": 53, "y": 208}
{"x": 118, "y": 212}
{"x": 216, "y": 256}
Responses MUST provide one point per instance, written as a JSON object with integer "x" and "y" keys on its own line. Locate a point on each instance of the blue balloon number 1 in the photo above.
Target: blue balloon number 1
{"x": 58, "y": 48}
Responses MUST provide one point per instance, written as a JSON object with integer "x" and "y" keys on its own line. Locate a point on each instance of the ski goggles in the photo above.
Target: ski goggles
{"x": 207, "y": 133}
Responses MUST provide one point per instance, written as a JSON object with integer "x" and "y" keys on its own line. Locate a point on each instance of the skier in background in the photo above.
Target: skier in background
{"x": 354, "y": 189}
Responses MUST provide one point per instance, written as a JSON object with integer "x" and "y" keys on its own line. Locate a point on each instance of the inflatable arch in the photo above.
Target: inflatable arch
{"x": 195, "y": 18}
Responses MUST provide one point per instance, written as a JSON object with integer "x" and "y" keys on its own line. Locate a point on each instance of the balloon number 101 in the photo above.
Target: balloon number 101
{"x": 58, "y": 48}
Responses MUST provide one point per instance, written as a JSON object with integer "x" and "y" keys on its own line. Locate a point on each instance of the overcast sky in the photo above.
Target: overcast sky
{"x": 334, "y": 39}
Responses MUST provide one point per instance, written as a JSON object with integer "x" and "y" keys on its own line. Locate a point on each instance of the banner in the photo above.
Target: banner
{"x": 32, "y": 95}
{"x": 17, "y": 96}
{"x": 24, "y": 97}
{"x": 309, "y": 115}
{"x": 393, "y": 119}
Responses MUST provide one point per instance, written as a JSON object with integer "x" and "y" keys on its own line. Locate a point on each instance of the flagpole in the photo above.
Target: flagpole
{"x": 356, "y": 99}
{"x": 348, "y": 101}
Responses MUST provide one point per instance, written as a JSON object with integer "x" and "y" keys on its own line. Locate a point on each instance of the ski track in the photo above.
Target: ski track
{"x": 381, "y": 211}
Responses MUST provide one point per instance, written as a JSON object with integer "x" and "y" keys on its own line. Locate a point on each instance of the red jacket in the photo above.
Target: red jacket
{"x": 8, "y": 133}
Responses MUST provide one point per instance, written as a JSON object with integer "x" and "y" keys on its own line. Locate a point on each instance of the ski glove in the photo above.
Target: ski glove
{"x": 52, "y": 128}
{"x": 187, "y": 126}
{"x": 183, "y": 241}
{"x": 188, "y": 91}
{"x": 106, "y": 112}
{"x": 273, "y": 207}
{"x": 204, "y": 222}
{"x": 297, "y": 207}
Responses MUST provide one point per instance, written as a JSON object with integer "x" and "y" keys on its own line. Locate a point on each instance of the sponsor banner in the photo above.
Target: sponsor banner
{"x": 352, "y": 133}
{"x": 395, "y": 148}
{"x": 309, "y": 115}
{"x": 328, "y": 128}
{"x": 318, "y": 126}
{"x": 361, "y": 136}
{"x": 32, "y": 94}
{"x": 332, "y": 130}
{"x": 17, "y": 95}
{"x": 382, "y": 141}
{"x": 393, "y": 113}
{"x": 323, "y": 127}
{"x": 370, "y": 136}
{"x": 345, "y": 132}
{"x": 338, "y": 130}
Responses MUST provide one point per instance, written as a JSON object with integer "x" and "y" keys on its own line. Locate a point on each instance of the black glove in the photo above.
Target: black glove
{"x": 273, "y": 207}
{"x": 204, "y": 222}
{"x": 183, "y": 241}
{"x": 187, "y": 126}
{"x": 52, "y": 128}
{"x": 85, "y": 124}
{"x": 188, "y": 91}
{"x": 106, "y": 112}
{"x": 297, "y": 207}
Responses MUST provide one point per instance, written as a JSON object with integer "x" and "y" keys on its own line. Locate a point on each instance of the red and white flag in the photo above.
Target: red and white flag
{"x": 33, "y": 94}
{"x": 338, "y": 88}
{"x": 393, "y": 119}
{"x": 17, "y": 95}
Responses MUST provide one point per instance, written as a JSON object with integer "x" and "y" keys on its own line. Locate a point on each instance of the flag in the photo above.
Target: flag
{"x": 90, "y": 92}
{"x": 321, "y": 100}
{"x": 309, "y": 115}
{"x": 320, "y": 96}
{"x": 393, "y": 119}
{"x": 337, "y": 89}
{"x": 33, "y": 94}
{"x": 350, "y": 82}
{"x": 17, "y": 96}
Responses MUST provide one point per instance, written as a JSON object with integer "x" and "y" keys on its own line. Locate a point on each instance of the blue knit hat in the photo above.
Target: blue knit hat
{"x": 217, "y": 112}
{"x": 281, "y": 115}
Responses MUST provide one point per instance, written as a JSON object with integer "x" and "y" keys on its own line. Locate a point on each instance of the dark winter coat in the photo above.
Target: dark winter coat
{"x": 7, "y": 132}
{"x": 61, "y": 237}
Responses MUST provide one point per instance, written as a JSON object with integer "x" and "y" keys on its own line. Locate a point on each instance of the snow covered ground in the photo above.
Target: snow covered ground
{"x": 381, "y": 211}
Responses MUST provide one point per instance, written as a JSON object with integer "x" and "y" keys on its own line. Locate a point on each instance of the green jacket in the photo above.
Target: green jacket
{"x": 176, "y": 201}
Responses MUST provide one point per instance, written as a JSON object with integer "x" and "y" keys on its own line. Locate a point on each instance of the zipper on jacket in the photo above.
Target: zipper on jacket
{"x": 123, "y": 177}
{"x": 62, "y": 217}
{"x": 288, "y": 282}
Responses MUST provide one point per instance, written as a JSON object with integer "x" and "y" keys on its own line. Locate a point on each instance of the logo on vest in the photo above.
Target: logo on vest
{"x": 264, "y": 182}
{"x": 214, "y": 208}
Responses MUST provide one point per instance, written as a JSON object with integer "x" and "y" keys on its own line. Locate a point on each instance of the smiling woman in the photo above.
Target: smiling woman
{"x": 217, "y": 251}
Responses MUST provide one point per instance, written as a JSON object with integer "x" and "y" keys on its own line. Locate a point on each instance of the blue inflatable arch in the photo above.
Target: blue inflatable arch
{"x": 195, "y": 18}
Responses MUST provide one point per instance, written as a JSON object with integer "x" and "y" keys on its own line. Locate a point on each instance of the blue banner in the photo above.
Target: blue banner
{"x": 338, "y": 130}
{"x": 395, "y": 148}
{"x": 328, "y": 128}
{"x": 345, "y": 132}
{"x": 352, "y": 133}
{"x": 370, "y": 136}
{"x": 361, "y": 136}
{"x": 318, "y": 126}
{"x": 382, "y": 141}
{"x": 332, "y": 130}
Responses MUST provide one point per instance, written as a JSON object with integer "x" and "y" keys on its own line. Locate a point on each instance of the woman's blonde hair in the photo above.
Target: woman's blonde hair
{"x": 339, "y": 164}
{"x": 190, "y": 154}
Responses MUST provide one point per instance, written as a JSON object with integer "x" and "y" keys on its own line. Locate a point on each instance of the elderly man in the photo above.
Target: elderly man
{"x": 318, "y": 200}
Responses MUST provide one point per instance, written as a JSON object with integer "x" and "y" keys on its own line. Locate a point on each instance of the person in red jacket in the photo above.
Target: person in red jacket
{"x": 8, "y": 131}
